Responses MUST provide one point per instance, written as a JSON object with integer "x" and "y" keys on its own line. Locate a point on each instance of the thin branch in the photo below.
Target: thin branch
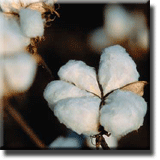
{"x": 20, "y": 120}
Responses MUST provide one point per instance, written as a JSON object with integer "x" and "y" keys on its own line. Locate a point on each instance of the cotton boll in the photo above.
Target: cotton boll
{"x": 117, "y": 22}
{"x": 20, "y": 71}
{"x": 68, "y": 142}
{"x": 97, "y": 39}
{"x": 58, "y": 90}
{"x": 111, "y": 141}
{"x": 116, "y": 69}
{"x": 31, "y": 23}
{"x": 81, "y": 75}
{"x": 123, "y": 113}
{"x": 11, "y": 38}
{"x": 79, "y": 114}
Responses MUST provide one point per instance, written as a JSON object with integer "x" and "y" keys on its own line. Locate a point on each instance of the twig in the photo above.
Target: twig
{"x": 20, "y": 120}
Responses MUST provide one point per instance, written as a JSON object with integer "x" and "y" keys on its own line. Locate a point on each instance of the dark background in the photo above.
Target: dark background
{"x": 66, "y": 39}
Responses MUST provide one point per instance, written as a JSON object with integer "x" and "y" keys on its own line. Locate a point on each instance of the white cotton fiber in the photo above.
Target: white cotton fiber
{"x": 123, "y": 113}
{"x": 111, "y": 141}
{"x": 68, "y": 142}
{"x": 117, "y": 22}
{"x": 58, "y": 90}
{"x": 116, "y": 69}
{"x": 81, "y": 75}
{"x": 20, "y": 71}
{"x": 16, "y": 5}
{"x": 79, "y": 114}
{"x": 11, "y": 38}
{"x": 31, "y": 23}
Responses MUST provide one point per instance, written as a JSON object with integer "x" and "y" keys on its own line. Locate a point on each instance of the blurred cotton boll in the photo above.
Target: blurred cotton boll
{"x": 117, "y": 22}
{"x": 31, "y": 23}
{"x": 65, "y": 142}
{"x": 19, "y": 72}
{"x": 12, "y": 39}
{"x": 97, "y": 39}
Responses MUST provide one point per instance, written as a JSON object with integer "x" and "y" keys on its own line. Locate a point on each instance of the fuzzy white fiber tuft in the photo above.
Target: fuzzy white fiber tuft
{"x": 31, "y": 23}
{"x": 79, "y": 114}
{"x": 123, "y": 113}
{"x": 11, "y": 38}
{"x": 81, "y": 75}
{"x": 116, "y": 69}
{"x": 58, "y": 90}
{"x": 20, "y": 71}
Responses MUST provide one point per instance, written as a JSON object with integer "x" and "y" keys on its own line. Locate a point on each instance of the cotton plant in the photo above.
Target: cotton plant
{"x": 107, "y": 103}
{"x": 22, "y": 23}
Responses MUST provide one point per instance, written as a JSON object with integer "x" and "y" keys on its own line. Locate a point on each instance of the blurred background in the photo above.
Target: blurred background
{"x": 81, "y": 33}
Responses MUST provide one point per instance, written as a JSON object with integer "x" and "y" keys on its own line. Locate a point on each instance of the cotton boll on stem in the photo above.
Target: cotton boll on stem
{"x": 31, "y": 23}
{"x": 79, "y": 114}
{"x": 20, "y": 71}
{"x": 81, "y": 75}
{"x": 123, "y": 113}
{"x": 116, "y": 69}
{"x": 58, "y": 90}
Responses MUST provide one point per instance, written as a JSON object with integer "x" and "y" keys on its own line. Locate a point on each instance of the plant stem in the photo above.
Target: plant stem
{"x": 20, "y": 120}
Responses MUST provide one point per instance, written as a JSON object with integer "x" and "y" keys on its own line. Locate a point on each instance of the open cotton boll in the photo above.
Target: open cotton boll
{"x": 111, "y": 141}
{"x": 116, "y": 69}
{"x": 79, "y": 114}
{"x": 20, "y": 71}
{"x": 31, "y": 23}
{"x": 117, "y": 22}
{"x": 123, "y": 113}
{"x": 81, "y": 75}
{"x": 11, "y": 38}
{"x": 68, "y": 142}
{"x": 57, "y": 90}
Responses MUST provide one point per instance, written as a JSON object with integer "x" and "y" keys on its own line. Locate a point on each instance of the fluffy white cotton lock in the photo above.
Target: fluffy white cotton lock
{"x": 81, "y": 75}
{"x": 79, "y": 114}
{"x": 117, "y": 22}
{"x": 11, "y": 38}
{"x": 123, "y": 113}
{"x": 58, "y": 90}
{"x": 31, "y": 23}
{"x": 111, "y": 141}
{"x": 116, "y": 69}
{"x": 20, "y": 71}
